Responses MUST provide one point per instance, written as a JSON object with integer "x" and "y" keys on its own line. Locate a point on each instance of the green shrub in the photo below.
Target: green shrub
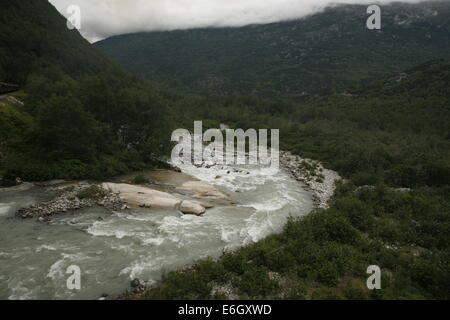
{"x": 255, "y": 282}
{"x": 140, "y": 179}
{"x": 327, "y": 273}
{"x": 180, "y": 285}
{"x": 212, "y": 270}
{"x": 92, "y": 193}
{"x": 298, "y": 292}
{"x": 355, "y": 293}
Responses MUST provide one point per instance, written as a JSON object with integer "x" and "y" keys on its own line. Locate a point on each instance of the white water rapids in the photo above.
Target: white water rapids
{"x": 113, "y": 248}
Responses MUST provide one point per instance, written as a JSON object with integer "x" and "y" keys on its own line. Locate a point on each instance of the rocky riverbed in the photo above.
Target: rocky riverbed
{"x": 198, "y": 195}
{"x": 169, "y": 189}
{"x": 320, "y": 181}
{"x": 114, "y": 247}
{"x": 71, "y": 197}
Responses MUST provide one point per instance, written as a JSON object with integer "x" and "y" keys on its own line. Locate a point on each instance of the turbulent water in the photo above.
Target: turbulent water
{"x": 113, "y": 248}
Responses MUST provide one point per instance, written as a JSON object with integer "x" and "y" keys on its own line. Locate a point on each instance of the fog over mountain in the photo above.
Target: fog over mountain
{"x": 105, "y": 18}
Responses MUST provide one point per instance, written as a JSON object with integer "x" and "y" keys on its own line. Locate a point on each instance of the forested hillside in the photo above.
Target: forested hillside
{"x": 328, "y": 50}
{"x": 34, "y": 35}
{"x": 392, "y": 131}
{"x": 84, "y": 116}
{"x": 390, "y": 140}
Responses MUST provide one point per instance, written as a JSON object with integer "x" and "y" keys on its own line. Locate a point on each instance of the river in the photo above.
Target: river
{"x": 112, "y": 248}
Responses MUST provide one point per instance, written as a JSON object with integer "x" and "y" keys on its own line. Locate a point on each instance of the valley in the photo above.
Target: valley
{"x": 363, "y": 117}
{"x": 115, "y": 247}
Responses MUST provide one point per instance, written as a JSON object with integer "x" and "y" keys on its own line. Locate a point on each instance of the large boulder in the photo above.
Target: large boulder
{"x": 190, "y": 207}
{"x": 183, "y": 183}
{"x": 137, "y": 196}
{"x": 205, "y": 192}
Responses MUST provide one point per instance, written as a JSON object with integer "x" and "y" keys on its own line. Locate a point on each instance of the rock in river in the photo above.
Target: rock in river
{"x": 205, "y": 192}
{"x": 137, "y": 196}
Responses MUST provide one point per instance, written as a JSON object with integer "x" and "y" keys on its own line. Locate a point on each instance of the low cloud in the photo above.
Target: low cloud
{"x": 105, "y": 18}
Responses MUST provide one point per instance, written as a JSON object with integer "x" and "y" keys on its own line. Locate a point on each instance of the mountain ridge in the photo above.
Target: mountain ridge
{"x": 331, "y": 49}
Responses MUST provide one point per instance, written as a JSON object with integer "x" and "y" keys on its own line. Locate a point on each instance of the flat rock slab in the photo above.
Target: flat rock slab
{"x": 172, "y": 182}
{"x": 137, "y": 196}
{"x": 204, "y": 191}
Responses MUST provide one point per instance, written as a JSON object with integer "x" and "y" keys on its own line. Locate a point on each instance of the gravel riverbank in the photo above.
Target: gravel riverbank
{"x": 72, "y": 197}
{"x": 320, "y": 181}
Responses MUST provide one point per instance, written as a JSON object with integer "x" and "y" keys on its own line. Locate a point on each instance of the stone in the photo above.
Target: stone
{"x": 204, "y": 191}
{"x": 144, "y": 197}
{"x": 190, "y": 207}
{"x": 135, "y": 283}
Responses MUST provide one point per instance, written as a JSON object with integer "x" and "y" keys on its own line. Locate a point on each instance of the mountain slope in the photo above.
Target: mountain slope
{"x": 327, "y": 50}
{"x": 33, "y": 34}
{"x": 83, "y": 115}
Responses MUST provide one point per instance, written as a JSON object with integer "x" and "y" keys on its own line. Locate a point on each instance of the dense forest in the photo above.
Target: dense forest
{"x": 83, "y": 116}
{"x": 328, "y": 50}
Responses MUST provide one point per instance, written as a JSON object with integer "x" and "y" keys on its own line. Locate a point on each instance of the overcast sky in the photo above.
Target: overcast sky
{"x": 104, "y": 18}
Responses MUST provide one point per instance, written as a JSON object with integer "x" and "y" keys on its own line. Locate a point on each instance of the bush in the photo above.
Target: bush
{"x": 327, "y": 274}
{"x": 140, "y": 179}
{"x": 255, "y": 282}
{"x": 92, "y": 193}
{"x": 298, "y": 292}
{"x": 353, "y": 293}
{"x": 180, "y": 285}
